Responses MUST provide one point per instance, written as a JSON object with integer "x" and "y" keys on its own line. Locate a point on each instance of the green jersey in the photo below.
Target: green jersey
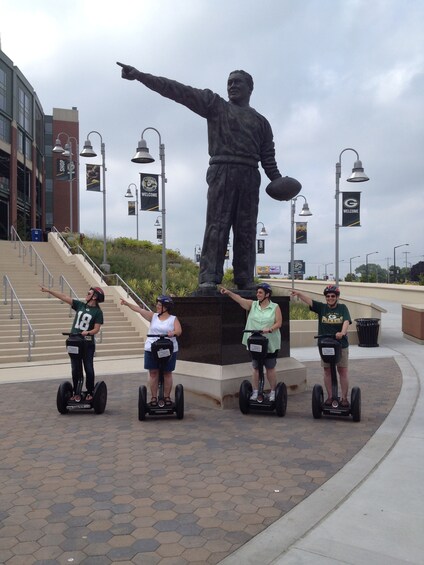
{"x": 330, "y": 320}
{"x": 86, "y": 317}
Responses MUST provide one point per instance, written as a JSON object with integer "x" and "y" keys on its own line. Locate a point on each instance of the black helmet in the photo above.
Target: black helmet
{"x": 332, "y": 289}
{"x": 165, "y": 301}
{"x": 265, "y": 287}
{"x": 99, "y": 295}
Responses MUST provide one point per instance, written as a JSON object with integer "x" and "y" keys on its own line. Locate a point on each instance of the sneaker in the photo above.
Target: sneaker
{"x": 272, "y": 396}
{"x": 254, "y": 395}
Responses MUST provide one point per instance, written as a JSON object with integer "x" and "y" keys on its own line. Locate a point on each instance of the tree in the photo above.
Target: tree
{"x": 375, "y": 273}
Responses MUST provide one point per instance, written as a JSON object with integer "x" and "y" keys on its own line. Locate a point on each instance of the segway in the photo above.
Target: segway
{"x": 75, "y": 347}
{"x": 162, "y": 350}
{"x": 257, "y": 344}
{"x": 330, "y": 351}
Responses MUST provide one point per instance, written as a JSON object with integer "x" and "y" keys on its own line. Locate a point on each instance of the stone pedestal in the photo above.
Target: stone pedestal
{"x": 212, "y": 362}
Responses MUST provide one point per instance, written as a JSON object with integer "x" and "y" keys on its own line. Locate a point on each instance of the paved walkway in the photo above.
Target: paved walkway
{"x": 216, "y": 487}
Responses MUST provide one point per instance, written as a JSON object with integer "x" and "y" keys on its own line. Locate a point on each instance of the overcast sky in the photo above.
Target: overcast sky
{"x": 328, "y": 74}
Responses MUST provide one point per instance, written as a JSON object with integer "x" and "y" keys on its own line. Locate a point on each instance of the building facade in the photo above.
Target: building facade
{"x": 32, "y": 194}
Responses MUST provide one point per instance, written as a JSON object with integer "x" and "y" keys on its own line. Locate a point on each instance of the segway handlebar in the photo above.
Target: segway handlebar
{"x": 158, "y": 335}
{"x": 325, "y": 335}
{"x": 253, "y": 331}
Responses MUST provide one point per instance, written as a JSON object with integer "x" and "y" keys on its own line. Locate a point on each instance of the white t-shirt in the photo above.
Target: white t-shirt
{"x": 161, "y": 327}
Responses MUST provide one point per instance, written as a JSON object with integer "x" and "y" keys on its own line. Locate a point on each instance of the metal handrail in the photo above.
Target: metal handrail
{"x": 14, "y": 237}
{"x": 104, "y": 277}
{"x": 44, "y": 266}
{"x": 31, "y": 332}
{"x": 62, "y": 239}
{"x": 87, "y": 258}
{"x": 128, "y": 289}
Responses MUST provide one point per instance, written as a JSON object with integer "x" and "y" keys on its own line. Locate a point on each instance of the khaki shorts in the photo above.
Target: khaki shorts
{"x": 344, "y": 359}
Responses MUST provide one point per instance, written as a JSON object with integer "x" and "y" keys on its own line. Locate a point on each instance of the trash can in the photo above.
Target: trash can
{"x": 367, "y": 329}
{"x": 36, "y": 234}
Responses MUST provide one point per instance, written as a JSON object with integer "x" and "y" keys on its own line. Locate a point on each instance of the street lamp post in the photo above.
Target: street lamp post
{"x": 67, "y": 152}
{"x": 394, "y": 259}
{"x": 129, "y": 194}
{"x": 89, "y": 152}
{"x": 325, "y": 270}
{"x": 197, "y": 253}
{"x": 350, "y": 263}
{"x": 262, "y": 233}
{"x": 305, "y": 212}
{"x": 143, "y": 156}
{"x": 357, "y": 175}
{"x": 366, "y": 262}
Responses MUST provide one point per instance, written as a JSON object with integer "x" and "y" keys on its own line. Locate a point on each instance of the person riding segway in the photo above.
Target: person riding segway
{"x": 333, "y": 323}
{"x": 81, "y": 347}
{"x": 160, "y": 355}
{"x": 264, "y": 318}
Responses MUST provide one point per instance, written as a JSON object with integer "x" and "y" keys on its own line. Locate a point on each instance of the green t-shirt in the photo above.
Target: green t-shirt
{"x": 85, "y": 317}
{"x": 330, "y": 320}
{"x": 259, "y": 319}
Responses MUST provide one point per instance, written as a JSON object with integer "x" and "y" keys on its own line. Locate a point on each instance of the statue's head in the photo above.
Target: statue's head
{"x": 239, "y": 87}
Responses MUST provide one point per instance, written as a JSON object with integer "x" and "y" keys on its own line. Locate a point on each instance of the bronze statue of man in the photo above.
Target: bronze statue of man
{"x": 239, "y": 138}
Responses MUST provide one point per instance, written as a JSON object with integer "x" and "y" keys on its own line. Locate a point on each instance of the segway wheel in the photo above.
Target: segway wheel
{"x": 179, "y": 401}
{"x": 100, "y": 397}
{"x": 317, "y": 401}
{"x": 281, "y": 399}
{"x": 355, "y": 404}
{"x": 244, "y": 397}
{"x": 142, "y": 403}
{"x": 64, "y": 393}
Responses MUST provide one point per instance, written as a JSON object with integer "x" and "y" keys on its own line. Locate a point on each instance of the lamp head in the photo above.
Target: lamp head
{"x": 67, "y": 151}
{"x": 58, "y": 147}
{"x": 142, "y": 154}
{"x": 305, "y": 210}
{"x": 358, "y": 174}
{"x": 263, "y": 231}
{"x": 157, "y": 223}
{"x": 129, "y": 193}
{"x": 88, "y": 150}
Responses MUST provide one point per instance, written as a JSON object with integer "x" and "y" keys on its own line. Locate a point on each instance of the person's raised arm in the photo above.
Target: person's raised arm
{"x": 128, "y": 72}
{"x": 60, "y": 295}
{"x": 146, "y": 314}
{"x": 244, "y": 302}
{"x": 303, "y": 297}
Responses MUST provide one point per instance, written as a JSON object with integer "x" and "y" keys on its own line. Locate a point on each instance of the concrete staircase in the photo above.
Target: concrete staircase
{"x": 48, "y": 316}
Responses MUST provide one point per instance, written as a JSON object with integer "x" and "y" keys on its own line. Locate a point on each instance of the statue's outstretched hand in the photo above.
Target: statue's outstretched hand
{"x": 128, "y": 72}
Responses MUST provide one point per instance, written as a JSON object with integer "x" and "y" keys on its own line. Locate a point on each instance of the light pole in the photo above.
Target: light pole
{"x": 197, "y": 253}
{"x": 262, "y": 233}
{"x": 357, "y": 175}
{"x": 350, "y": 263}
{"x": 325, "y": 271}
{"x": 129, "y": 194}
{"x": 394, "y": 259}
{"x": 88, "y": 151}
{"x": 143, "y": 156}
{"x": 305, "y": 212}
{"x": 366, "y": 262}
{"x": 67, "y": 152}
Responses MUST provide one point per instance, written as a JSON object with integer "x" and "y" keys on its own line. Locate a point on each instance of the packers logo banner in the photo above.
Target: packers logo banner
{"x": 92, "y": 175}
{"x": 351, "y": 209}
{"x": 131, "y": 208}
{"x": 260, "y": 246}
{"x": 301, "y": 232}
{"x": 149, "y": 193}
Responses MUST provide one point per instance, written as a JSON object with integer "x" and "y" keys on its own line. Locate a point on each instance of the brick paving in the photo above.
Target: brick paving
{"x": 99, "y": 489}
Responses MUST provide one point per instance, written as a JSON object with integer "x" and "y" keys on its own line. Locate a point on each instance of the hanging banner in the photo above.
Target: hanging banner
{"x": 260, "y": 247}
{"x": 63, "y": 169}
{"x": 149, "y": 193}
{"x": 301, "y": 232}
{"x": 159, "y": 234}
{"x": 131, "y": 208}
{"x": 92, "y": 175}
{"x": 227, "y": 253}
{"x": 351, "y": 209}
